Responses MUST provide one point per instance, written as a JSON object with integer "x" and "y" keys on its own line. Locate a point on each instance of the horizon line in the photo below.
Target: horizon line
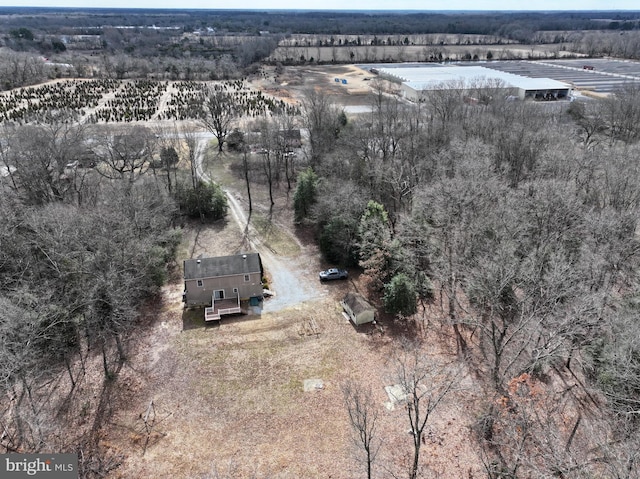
{"x": 312, "y": 10}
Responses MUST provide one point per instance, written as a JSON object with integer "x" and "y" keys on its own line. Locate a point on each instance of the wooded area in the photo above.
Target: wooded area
{"x": 522, "y": 228}
{"x": 512, "y": 225}
{"x": 218, "y": 44}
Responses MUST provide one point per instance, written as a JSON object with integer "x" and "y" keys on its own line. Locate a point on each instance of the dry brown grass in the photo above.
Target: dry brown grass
{"x": 233, "y": 394}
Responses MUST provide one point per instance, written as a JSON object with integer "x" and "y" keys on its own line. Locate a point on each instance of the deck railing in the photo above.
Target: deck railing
{"x": 216, "y": 310}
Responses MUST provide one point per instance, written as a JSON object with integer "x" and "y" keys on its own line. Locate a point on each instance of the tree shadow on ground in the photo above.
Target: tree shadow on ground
{"x": 193, "y": 318}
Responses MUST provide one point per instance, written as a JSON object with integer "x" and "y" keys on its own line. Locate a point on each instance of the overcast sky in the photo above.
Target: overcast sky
{"x": 340, "y": 4}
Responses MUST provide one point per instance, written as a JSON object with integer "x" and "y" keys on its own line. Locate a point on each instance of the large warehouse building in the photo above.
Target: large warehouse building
{"x": 418, "y": 80}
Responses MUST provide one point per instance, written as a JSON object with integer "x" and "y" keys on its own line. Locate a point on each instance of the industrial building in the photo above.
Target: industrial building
{"x": 416, "y": 81}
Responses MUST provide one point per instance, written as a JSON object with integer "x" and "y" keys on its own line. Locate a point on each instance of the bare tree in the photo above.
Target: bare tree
{"x": 245, "y": 169}
{"x": 425, "y": 383}
{"x": 169, "y": 143}
{"x": 518, "y": 151}
{"x": 8, "y": 168}
{"x": 287, "y": 140}
{"x": 41, "y": 160}
{"x": 169, "y": 159}
{"x": 444, "y": 102}
{"x": 269, "y": 156}
{"x": 623, "y": 113}
{"x": 220, "y": 111}
{"x": 450, "y": 208}
{"x": 125, "y": 153}
{"x": 322, "y": 120}
{"x": 19, "y": 69}
{"x": 190, "y": 136}
{"x": 590, "y": 121}
{"x": 363, "y": 418}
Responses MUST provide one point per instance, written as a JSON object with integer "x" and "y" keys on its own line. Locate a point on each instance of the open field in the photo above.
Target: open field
{"x": 291, "y": 83}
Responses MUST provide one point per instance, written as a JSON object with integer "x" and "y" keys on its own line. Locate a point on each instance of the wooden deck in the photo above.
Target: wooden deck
{"x": 221, "y": 307}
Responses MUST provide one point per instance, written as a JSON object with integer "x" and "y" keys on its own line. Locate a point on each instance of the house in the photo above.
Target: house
{"x": 358, "y": 309}
{"x": 222, "y": 283}
{"x": 290, "y": 138}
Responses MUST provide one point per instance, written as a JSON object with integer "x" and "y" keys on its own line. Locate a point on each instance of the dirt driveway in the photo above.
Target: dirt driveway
{"x": 292, "y": 281}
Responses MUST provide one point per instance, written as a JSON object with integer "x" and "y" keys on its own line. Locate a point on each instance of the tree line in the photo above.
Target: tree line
{"x": 230, "y": 21}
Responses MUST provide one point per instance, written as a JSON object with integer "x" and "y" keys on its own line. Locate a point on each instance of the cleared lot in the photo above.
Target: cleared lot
{"x": 231, "y": 398}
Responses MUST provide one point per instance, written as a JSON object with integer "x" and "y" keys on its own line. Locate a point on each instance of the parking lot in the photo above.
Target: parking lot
{"x": 607, "y": 74}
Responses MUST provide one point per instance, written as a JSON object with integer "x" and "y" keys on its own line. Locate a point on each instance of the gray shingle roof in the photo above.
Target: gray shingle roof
{"x": 357, "y": 303}
{"x": 222, "y": 266}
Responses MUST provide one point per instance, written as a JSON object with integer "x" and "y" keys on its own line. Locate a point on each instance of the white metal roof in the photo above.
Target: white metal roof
{"x": 463, "y": 77}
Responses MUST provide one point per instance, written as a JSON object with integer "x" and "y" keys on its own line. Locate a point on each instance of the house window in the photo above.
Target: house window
{"x": 235, "y": 290}
{"x": 246, "y": 278}
{"x": 199, "y": 283}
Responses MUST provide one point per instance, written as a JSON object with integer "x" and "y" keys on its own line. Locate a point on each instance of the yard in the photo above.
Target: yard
{"x": 230, "y": 398}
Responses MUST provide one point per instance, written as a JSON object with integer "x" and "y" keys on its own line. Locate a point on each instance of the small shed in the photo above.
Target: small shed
{"x": 358, "y": 308}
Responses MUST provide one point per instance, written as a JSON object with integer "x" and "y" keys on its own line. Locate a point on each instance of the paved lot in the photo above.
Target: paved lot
{"x": 606, "y": 76}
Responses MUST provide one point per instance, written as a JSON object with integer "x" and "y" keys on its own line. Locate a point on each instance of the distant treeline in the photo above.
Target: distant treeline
{"x": 505, "y": 24}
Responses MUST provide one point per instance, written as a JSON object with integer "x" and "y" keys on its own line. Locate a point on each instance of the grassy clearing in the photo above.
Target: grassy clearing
{"x": 274, "y": 237}
{"x": 257, "y": 363}
{"x": 216, "y": 165}
{"x": 265, "y": 222}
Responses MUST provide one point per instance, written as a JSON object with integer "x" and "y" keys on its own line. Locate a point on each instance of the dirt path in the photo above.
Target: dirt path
{"x": 107, "y": 97}
{"x": 289, "y": 280}
{"x": 164, "y": 100}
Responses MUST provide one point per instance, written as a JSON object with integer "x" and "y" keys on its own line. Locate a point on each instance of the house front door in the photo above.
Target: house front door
{"x": 218, "y": 294}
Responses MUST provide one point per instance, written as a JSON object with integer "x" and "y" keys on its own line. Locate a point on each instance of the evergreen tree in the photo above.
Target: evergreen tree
{"x": 400, "y": 296}
{"x": 305, "y": 194}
